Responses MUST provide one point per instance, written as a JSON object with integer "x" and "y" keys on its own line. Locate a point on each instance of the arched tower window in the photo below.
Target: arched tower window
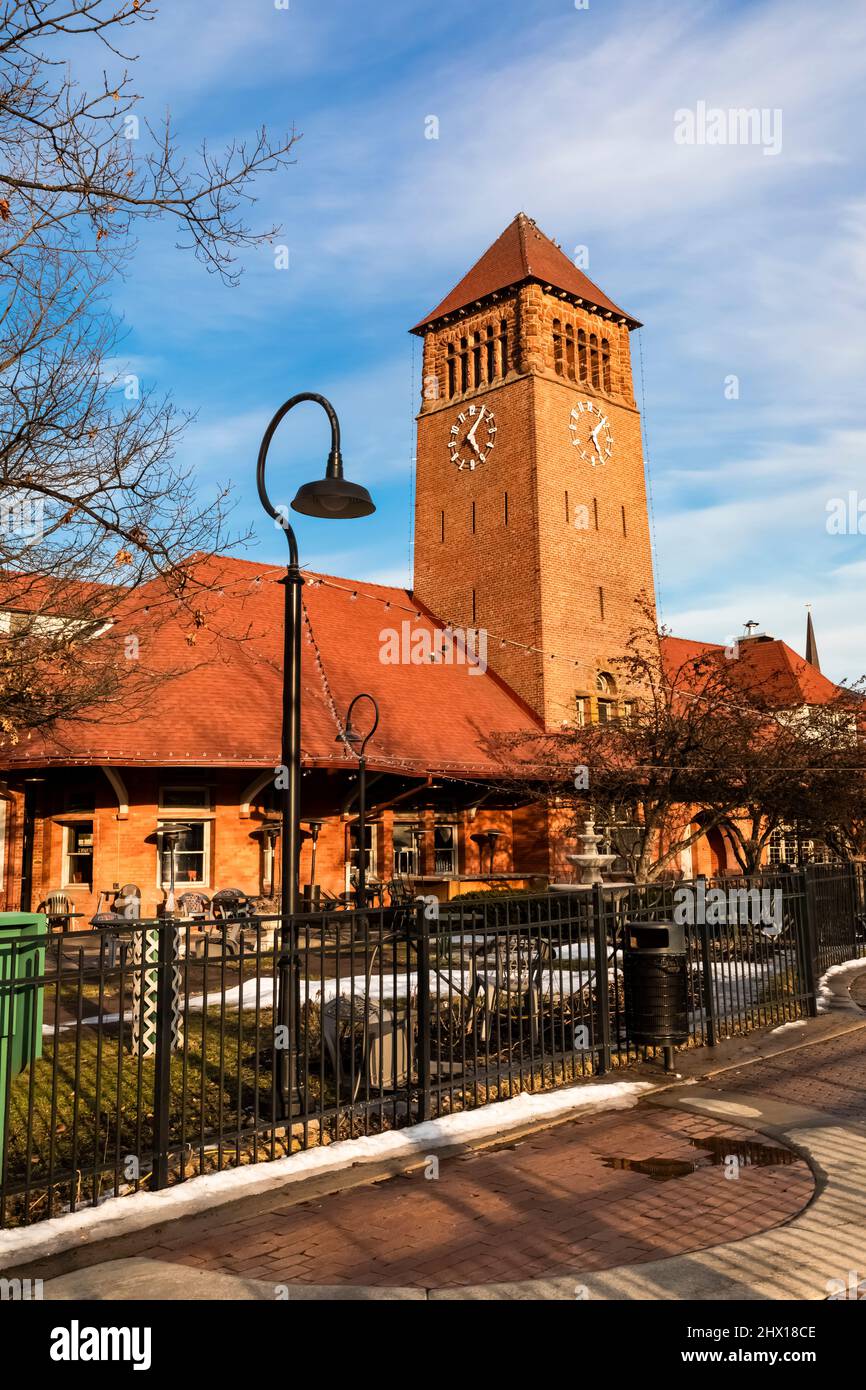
{"x": 557, "y": 346}
{"x": 491, "y": 353}
{"x": 605, "y": 364}
{"x": 569, "y": 351}
{"x": 464, "y": 365}
{"x": 581, "y": 354}
{"x": 477, "y": 379}
{"x": 452, "y": 370}
{"x": 593, "y": 360}
{"x": 503, "y": 348}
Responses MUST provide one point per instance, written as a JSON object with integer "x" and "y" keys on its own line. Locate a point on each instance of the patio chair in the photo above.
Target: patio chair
{"x": 193, "y": 905}
{"x": 58, "y": 910}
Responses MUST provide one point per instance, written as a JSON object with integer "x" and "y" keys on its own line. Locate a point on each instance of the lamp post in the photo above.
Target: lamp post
{"x": 355, "y": 740}
{"x": 330, "y": 497}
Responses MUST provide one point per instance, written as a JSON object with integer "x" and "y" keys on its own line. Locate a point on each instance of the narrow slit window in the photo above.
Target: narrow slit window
{"x": 624, "y": 528}
{"x": 595, "y": 511}
{"x": 569, "y": 351}
{"x": 477, "y": 379}
{"x": 464, "y": 365}
{"x": 601, "y": 602}
{"x": 567, "y": 512}
{"x": 452, "y": 371}
{"x": 593, "y": 360}
{"x": 557, "y": 347}
{"x": 473, "y": 518}
{"x": 491, "y": 352}
{"x": 442, "y": 527}
{"x": 473, "y": 608}
{"x": 506, "y": 509}
{"x": 605, "y": 364}
{"x": 503, "y": 348}
{"x": 581, "y": 354}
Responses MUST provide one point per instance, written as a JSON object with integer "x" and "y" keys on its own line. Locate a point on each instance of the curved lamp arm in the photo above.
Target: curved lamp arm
{"x": 334, "y": 469}
{"x": 363, "y": 696}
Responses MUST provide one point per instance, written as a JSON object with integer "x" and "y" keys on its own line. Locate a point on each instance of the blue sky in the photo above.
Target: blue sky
{"x": 737, "y": 262}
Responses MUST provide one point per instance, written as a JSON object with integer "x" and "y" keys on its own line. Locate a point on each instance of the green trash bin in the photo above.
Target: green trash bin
{"x": 22, "y": 961}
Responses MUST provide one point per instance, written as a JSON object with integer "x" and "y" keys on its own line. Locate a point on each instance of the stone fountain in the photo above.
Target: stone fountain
{"x": 589, "y": 862}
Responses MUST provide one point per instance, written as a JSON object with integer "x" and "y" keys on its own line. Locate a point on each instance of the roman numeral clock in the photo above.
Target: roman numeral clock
{"x": 472, "y": 437}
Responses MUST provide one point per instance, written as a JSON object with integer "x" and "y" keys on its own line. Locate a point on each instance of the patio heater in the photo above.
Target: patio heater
{"x": 270, "y": 833}
{"x": 171, "y": 833}
{"x": 353, "y": 739}
{"x": 334, "y": 498}
{"x": 314, "y": 827}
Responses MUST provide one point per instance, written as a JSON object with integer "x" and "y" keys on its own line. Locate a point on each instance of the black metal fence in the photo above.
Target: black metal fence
{"x": 138, "y": 1056}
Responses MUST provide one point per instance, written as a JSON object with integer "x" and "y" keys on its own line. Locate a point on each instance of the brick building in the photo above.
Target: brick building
{"x": 532, "y": 545}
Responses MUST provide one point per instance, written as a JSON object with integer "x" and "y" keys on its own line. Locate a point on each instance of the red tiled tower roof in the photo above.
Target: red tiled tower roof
{"x": 522, "y": 253}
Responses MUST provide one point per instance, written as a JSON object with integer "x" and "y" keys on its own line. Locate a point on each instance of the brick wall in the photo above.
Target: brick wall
{"x": 497, "y": 547}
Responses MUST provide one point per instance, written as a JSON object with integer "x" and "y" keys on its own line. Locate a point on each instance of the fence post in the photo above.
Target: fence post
{"x": 711, "y": 1031}
{"x": 809, "y": 942}
{"x": 602, "y": 988}
{"x": 425, "y": 1021}
{"x": 165, "y": 1040}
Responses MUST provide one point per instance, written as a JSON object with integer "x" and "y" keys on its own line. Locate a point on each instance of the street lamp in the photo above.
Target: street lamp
{"x": 357, "y": 741}
{"x": 330, "y": 497}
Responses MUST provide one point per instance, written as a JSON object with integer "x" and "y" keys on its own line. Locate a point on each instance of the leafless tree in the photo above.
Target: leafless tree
{"x": 93, "y": 505}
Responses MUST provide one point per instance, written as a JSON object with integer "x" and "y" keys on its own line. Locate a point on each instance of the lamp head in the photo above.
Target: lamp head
{"x": 333, "y": 497}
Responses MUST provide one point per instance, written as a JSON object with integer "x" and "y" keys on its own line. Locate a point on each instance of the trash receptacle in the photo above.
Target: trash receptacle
{"x": 22, "y": 964}
{"x": 655, "y": 978}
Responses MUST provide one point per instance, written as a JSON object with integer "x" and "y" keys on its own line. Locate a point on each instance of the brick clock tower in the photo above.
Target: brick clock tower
{"x": 531, "y": 513}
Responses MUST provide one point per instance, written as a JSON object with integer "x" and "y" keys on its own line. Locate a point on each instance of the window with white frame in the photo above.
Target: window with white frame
{"x": 191, "y": 856}
{"x": 370, "y": 843}
{"x": 406, "y": 841}
{"x": 78, "y": 854}
{"x": 784, "y": 847}
{"x": 445, "y": 849}
{"x": 182, "y": 798}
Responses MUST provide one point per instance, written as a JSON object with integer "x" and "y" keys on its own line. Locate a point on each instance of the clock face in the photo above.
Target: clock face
{"x": 472, "y": 437}
{"x": 590, "y": 432}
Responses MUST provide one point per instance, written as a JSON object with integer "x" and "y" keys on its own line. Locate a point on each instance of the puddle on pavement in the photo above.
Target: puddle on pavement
{"x": 717, "y": 1151}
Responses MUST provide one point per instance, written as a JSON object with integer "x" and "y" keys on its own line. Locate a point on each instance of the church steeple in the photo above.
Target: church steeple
{"x": 811, "y": 644}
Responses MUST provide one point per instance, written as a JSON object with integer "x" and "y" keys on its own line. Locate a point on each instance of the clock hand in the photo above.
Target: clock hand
{"x": 470, "y": 438}
{"x": 594, "y": 437}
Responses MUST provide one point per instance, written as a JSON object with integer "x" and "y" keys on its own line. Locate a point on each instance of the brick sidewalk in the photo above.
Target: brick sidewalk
{"x": 556, "y": 1202}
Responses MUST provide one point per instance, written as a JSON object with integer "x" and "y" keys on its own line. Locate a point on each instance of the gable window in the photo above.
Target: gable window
{"x": 78, "y": 854}
{"x": 184, "y": 798}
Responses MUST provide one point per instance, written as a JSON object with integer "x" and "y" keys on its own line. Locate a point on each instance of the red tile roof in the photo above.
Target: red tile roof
{"x": 522, "y": 253}
{"x": 224, "y": 706}
{"x": 762, "y": 664}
